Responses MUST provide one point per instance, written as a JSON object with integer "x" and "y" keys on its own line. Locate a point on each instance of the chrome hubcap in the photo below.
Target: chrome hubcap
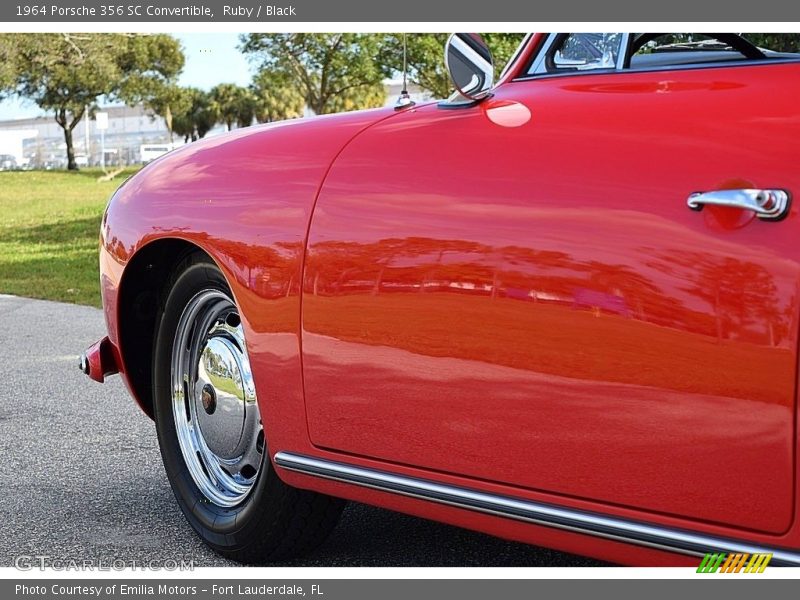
{"x": 214, "y": 400}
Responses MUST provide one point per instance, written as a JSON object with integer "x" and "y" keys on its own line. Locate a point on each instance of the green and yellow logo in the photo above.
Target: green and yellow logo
{"x": 723, "y": 562}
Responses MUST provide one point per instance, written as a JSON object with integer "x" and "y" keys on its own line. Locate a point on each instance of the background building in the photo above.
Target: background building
{"x": 41, "y": 140}
{"x": 38, "y": 142}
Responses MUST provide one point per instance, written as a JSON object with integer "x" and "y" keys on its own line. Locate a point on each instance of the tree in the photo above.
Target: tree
{"x": 8, "y": 64}
{"x": 66, "y": 73}
{"x": 355, "y": 99}
{"x": 277, "y": 97}
{"x": 425, "y": 53}
{"x": 194, "y": 116}
{"x": 233, "y": 105}
{"x": 780, "y": 42}
{"x": 245, "y": 107}
{"x": 168, "y": 100}
{"x": 334, "y": 71}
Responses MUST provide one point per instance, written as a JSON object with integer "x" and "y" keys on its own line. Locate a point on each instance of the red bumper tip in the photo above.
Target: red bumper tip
{"x": 100, "y": 360}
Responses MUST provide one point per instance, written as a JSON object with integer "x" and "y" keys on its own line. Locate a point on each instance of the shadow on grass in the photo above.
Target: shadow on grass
{"x": 74, "y": 279}
{"x": 63, "y": 232}
{"x": 54, "y": 261}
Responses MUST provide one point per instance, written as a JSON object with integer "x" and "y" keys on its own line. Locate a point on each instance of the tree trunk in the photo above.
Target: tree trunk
{"x": 168, "y": 122}
{"x": 71, "y": 164}
{"x": 61, "y": 119}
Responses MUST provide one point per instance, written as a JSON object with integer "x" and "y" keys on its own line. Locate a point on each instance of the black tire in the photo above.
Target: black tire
{"x": 275, "y": 521}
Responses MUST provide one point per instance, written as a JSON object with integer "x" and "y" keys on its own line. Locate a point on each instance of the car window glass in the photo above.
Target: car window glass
{"x": 586, "y": 51}
{"x": 671, "y": 49}
{"x": 775, "y": 42}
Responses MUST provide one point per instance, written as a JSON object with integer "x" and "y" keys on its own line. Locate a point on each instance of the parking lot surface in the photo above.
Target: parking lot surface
{"x": 82, "y": 477}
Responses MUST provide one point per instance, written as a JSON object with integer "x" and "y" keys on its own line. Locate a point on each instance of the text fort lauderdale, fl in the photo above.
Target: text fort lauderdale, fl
{"x": 144, "y": 589}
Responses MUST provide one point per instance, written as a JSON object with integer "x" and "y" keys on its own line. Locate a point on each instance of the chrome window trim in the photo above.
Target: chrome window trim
{"x": 549, "y": 515}
{"x": 538, "y": 60}
{"x": 515, "y": 56}
{"x": 665, "y": 68}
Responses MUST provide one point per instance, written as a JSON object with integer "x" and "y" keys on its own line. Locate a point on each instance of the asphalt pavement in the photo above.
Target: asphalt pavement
{"x": 81, "y": 475}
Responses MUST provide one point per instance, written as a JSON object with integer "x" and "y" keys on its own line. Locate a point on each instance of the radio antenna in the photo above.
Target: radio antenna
{"x": 404, "y": 100}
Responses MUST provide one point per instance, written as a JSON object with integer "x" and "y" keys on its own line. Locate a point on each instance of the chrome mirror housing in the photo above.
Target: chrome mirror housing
{"x": 470, "y": 65}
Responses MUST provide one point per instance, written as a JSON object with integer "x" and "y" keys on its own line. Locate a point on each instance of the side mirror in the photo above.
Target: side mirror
{"x": 469, "y": 63}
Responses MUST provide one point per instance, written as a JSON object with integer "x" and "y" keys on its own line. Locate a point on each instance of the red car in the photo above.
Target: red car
{"x": 562, "y": 308}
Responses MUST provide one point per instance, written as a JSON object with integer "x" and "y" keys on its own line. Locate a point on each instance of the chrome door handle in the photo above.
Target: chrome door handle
{"x": 769, "y": 205}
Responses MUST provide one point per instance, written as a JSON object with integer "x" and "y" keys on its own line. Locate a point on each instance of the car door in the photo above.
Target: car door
{"x": 516, "y": 291}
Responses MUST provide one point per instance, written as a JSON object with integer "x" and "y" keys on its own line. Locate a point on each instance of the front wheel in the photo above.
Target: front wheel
{"x": 211, "y": 433}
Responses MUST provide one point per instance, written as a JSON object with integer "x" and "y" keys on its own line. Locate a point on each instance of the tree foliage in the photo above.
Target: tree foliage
{"x": 8, "y": 64}
{"x": 195, "y": 116}
{"x": 333, "y": 71}
{"x": 168, "y": 100}
{"x": 276, "y": 97}
{"x": 233, "y": 105}
{"x": 66, "y": 73}
{"x": 780, "y": 42}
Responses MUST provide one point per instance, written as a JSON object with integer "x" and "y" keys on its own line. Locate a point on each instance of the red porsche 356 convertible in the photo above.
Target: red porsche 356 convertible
{"x": 561, "y": 308}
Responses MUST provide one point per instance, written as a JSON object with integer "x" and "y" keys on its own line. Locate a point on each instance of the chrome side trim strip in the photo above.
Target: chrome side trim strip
{"x": 613, "y": 528}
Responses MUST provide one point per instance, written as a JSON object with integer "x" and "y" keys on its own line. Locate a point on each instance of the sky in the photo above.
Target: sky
{"x": 211, "y": 58}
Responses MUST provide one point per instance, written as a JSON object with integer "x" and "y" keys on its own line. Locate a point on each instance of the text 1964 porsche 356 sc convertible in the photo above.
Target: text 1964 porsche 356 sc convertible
{"x": 562, "y": 308}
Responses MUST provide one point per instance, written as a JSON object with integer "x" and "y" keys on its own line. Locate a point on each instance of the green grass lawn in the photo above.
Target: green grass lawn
{"x": 49, "y": 232}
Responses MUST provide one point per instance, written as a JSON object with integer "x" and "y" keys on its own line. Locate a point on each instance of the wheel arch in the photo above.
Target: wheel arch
{"x": 142, "y": 290}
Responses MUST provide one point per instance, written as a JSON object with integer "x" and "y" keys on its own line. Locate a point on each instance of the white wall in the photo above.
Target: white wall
{"x": 11, "y": 141}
